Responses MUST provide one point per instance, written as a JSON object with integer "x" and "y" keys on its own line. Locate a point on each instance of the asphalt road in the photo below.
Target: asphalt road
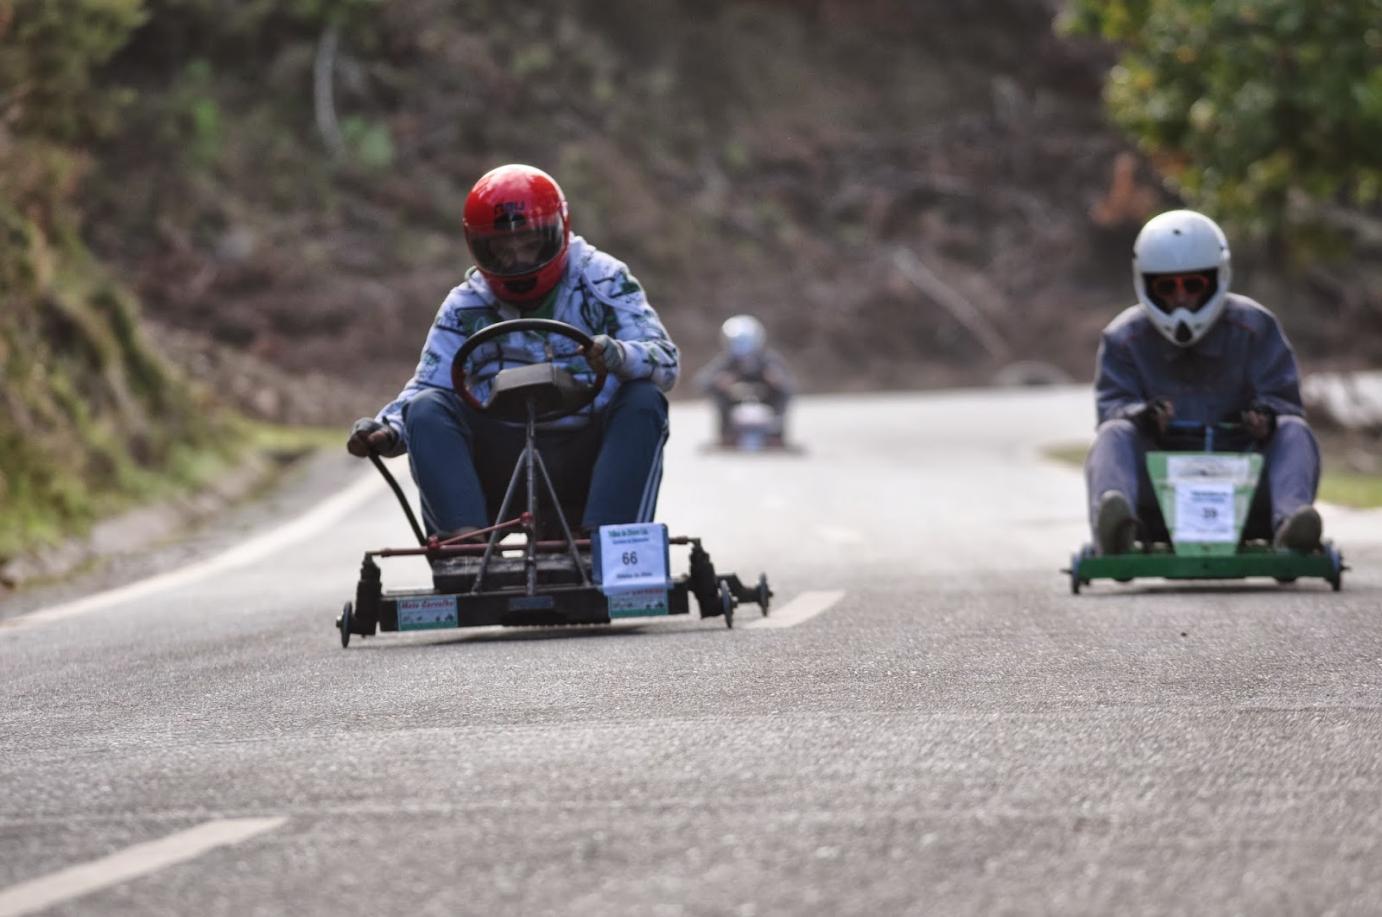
{"x": 933, "y": 725}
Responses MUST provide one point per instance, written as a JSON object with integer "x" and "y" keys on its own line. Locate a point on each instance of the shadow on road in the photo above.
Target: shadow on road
{"x": 521, "y": 634}
{"x": 1123, "y": 591}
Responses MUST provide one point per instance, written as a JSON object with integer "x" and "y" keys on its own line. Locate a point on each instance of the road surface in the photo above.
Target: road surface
{"x": 929, "y": 723}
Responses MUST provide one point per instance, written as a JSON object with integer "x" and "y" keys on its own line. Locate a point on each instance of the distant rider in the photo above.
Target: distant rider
{"x": 1191, "y": 350}
{"x": 529, "y": 265}
{"x": 745, "y": 367}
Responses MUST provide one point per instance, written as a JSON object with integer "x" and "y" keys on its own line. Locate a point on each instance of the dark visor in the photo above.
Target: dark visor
{"x": 520, "y": 250}
{"x": 1199, "y": 284}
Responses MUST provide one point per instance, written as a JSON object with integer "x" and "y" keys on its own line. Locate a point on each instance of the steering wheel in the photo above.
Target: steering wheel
{"x": 499, "y": 329}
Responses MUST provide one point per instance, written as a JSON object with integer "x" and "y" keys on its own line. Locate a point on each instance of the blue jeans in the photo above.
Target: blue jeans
{"x": 462, "y": 460}
{"x": 1290, "y": 458}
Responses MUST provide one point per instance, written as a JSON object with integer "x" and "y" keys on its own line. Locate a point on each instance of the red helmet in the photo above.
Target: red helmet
{"x": 517, "y": 228}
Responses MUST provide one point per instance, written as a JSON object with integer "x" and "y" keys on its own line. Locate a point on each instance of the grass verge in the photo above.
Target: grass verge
{"x": 28, "y": 526}
{"x": 1358, "y": 489}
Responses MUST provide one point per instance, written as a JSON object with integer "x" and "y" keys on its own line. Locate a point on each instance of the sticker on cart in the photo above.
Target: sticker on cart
{"x": 1235, "y": 469}
{"x": 631, "y": 557}
{"x": 427, "y": 612}
{"x": 1204, "y": 512}
{"x": 638, "y": 603}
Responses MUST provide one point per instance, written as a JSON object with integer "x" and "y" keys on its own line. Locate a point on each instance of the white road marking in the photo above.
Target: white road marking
{"x": 802, "y": 608}
{"x": 130, "y": 863}
{"x": 256, "y": 548}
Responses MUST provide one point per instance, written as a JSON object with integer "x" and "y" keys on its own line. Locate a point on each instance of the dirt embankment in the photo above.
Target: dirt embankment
{"x": 909, "y": 194}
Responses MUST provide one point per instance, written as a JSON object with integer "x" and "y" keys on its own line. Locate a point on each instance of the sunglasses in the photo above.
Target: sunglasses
{"x": 1167, "y": 285}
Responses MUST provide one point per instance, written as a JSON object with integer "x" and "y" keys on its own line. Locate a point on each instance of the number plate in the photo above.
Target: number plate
{"x": 631, "y": 568}
{"x": 1204, "y": 512}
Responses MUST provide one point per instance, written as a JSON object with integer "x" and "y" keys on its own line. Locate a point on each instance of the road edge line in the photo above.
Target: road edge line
{"x": 256, "y": 548}
{"x": 130, "y": 863}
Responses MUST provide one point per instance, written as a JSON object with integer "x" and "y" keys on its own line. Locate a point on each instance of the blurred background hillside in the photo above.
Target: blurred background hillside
{"x": 255, "y": 204}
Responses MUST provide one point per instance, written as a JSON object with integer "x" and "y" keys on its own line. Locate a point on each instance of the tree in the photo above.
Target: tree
{"x": 1266, "y": 113}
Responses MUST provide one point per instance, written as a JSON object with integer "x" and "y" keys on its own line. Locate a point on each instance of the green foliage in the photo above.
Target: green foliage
{"x": 369, "y": 142}
{"x": 49, "y": 56}
{"x": 242, "y": 16}
{"x": 90, "y": 417}
{"x": 1259, "y": 111}
{"x": 196, "y": 115}
{"x": 256, "y": 27}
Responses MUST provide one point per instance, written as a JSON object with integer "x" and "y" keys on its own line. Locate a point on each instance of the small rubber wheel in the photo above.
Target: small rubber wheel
{"x": 1075, "y": 573}
{"x": 727, "y": 604}
{"x": 343, "y": 624}
{"x": 1336, "y": 561}
{"x": 765, "y": 595}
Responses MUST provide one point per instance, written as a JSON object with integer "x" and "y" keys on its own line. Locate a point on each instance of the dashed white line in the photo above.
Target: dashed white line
{"x": 802, "y": 608}
{"x": 130, "y": 863}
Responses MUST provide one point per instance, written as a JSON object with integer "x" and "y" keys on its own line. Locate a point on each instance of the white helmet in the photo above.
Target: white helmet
{"x": 1181, "y": 242}
{"x": 743, "y": 336}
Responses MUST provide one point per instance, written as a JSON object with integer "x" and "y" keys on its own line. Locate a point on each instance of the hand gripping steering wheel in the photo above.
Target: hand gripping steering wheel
{"x": 499, "y": 329}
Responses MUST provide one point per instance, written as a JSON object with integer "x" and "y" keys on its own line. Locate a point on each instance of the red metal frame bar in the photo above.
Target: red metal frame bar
{"x": 457, "y": 546}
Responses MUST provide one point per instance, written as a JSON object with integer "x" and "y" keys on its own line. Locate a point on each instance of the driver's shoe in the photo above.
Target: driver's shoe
{"x": 1300, "y": 531}
{"x": 1115, "y": 526}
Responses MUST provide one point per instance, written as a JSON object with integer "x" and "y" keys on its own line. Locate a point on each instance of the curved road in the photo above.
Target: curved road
{"x": 929, "y": 723}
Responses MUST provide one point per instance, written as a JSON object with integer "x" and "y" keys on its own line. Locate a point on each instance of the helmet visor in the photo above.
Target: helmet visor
{"x": 517, "y": 245}
{"x": 1190, "y": 291}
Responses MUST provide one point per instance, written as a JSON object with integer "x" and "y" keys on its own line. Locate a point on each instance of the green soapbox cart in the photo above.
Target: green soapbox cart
{"x": 1206, "y": 498}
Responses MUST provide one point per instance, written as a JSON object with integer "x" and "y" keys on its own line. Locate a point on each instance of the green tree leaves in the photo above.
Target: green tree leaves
{"x": 1266, "y": 113}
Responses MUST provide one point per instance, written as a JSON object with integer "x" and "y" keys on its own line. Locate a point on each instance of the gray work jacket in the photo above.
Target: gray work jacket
{"x": 1244, "y": 358}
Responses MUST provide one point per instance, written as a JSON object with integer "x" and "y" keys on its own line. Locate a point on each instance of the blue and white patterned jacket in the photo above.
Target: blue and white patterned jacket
{"x": 597, "y": 294}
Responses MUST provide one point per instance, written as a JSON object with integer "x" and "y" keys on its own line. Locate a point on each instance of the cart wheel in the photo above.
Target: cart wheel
{"x": 1075, "y": 573}
{"x": 1336, "y": 563}
{"x": 343, "y": 624}
{"x": 765, "y": 595}
{"x": 727, "y": 604}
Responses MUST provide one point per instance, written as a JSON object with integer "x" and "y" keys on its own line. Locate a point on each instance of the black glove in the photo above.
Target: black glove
{"x": 1153, "y": 417}
{"x": 1259, "y": 418}
{"x": 605, "y": 354}
{"x": 370, "y": 436}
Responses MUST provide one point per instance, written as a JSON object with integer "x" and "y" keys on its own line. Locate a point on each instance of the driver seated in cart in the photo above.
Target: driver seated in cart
{"x": 1193, "y": 351}
{"x": 529, "y": 265}
{"x": 746, "y": 367}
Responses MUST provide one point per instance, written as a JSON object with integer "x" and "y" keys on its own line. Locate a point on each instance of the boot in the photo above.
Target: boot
{"x": 1115, "y": 526}
{"x": 1300, "y": 531}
